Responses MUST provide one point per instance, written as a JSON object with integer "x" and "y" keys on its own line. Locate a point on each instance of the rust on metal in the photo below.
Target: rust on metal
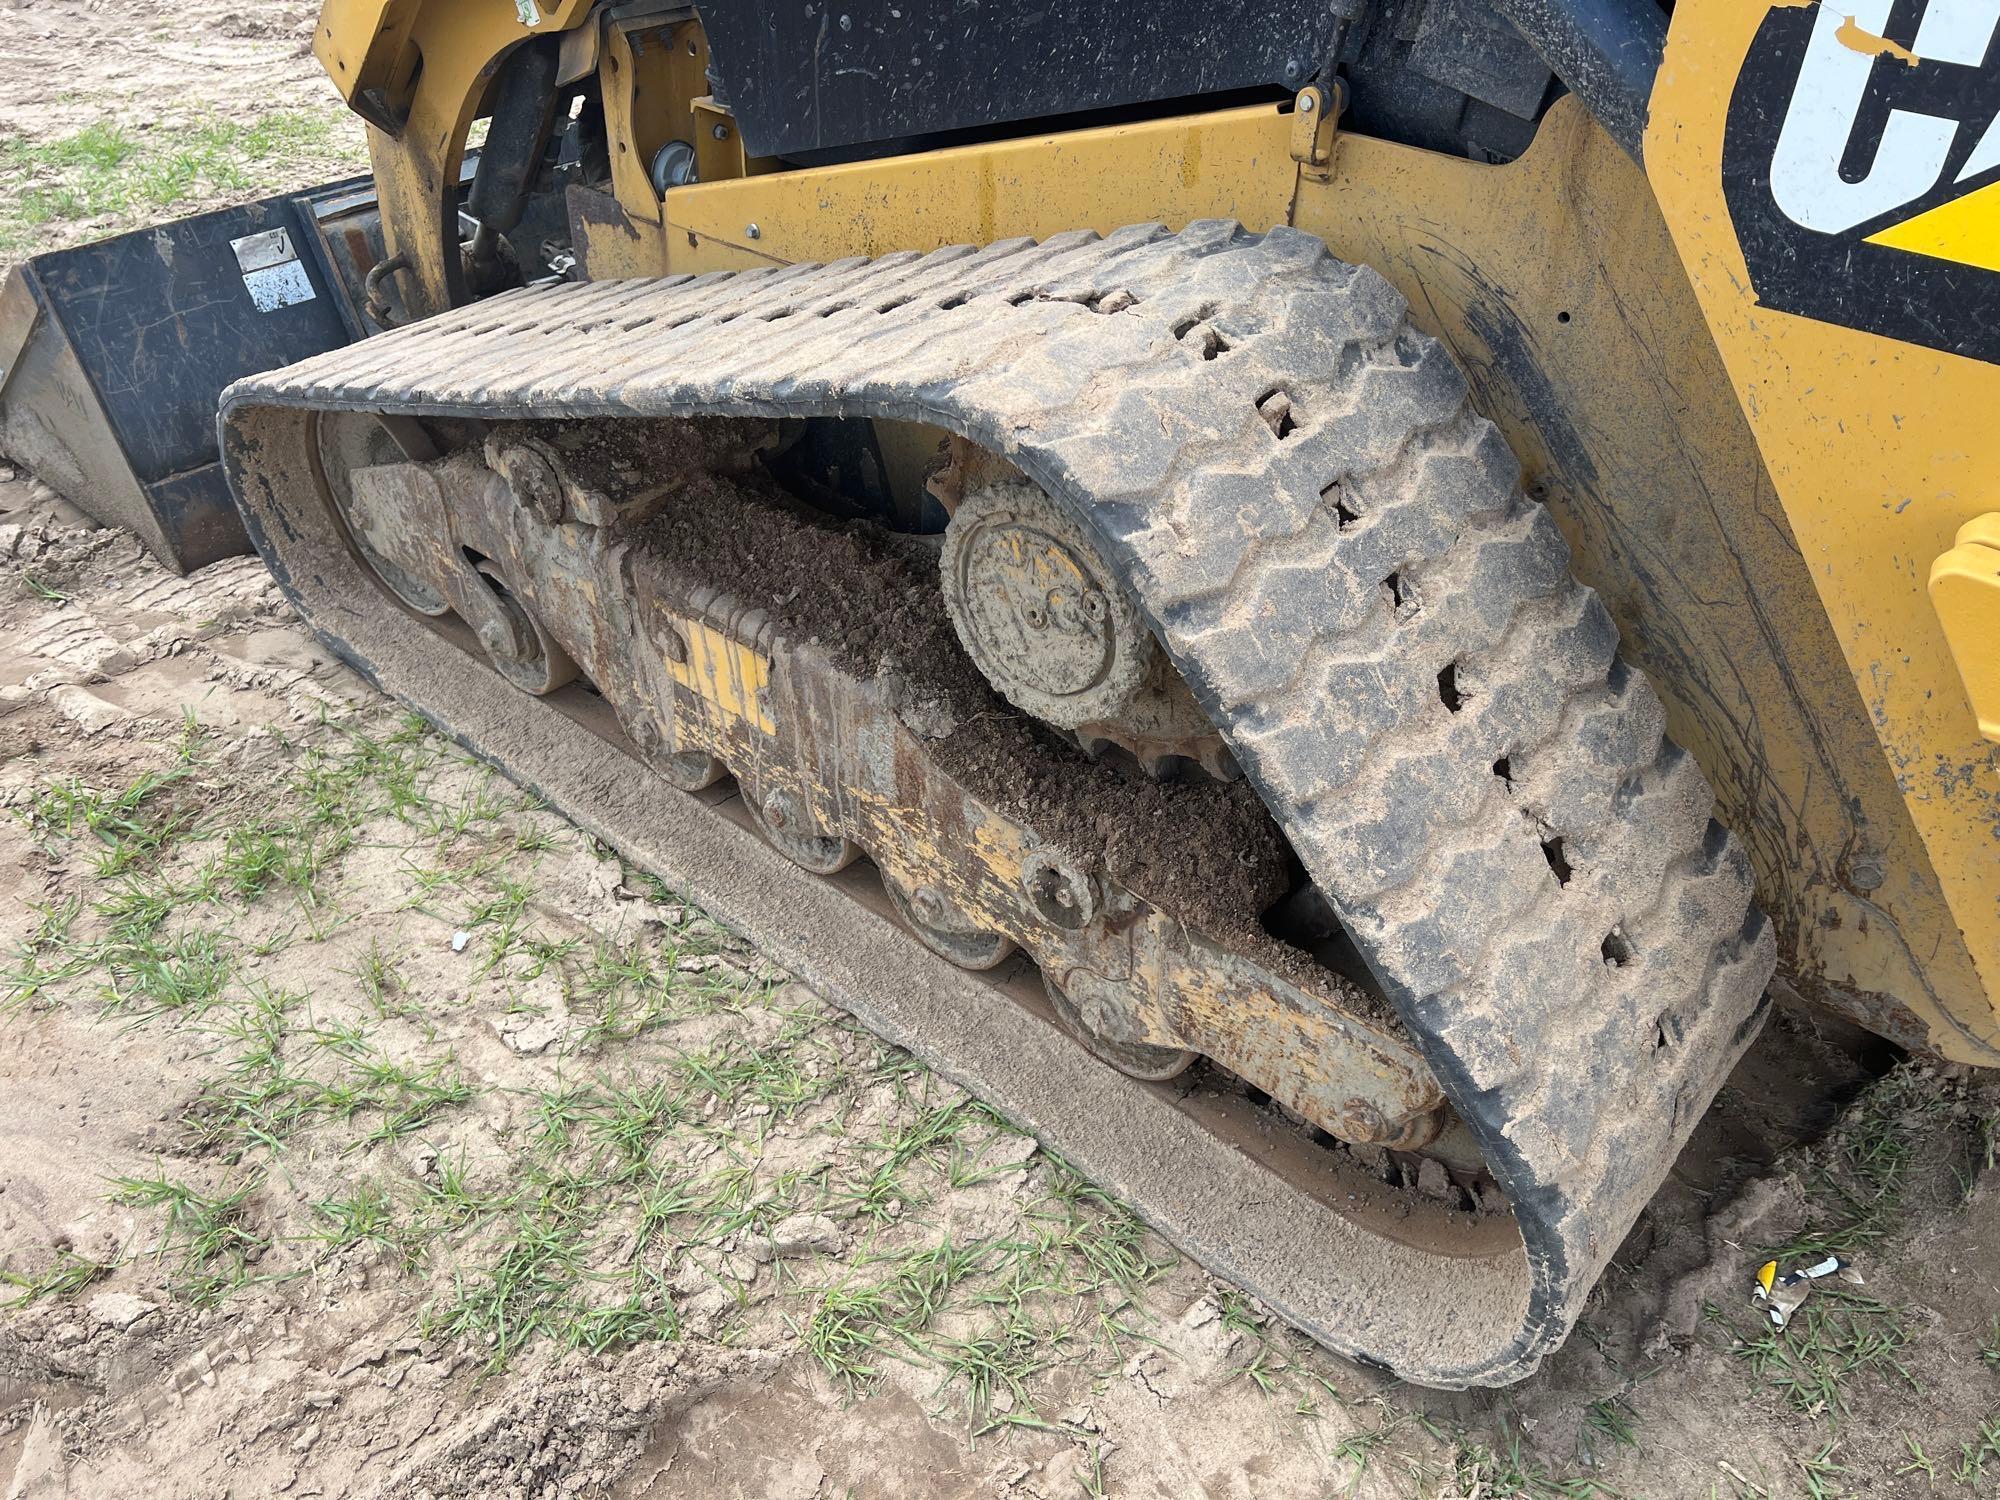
{"x": 544, "y": 566}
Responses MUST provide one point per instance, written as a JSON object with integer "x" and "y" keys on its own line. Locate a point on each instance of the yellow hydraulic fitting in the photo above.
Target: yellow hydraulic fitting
{"x": 1965, "y": 591}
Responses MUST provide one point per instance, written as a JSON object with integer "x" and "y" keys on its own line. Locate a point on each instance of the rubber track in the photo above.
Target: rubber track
{"x": 1336, "y": 552}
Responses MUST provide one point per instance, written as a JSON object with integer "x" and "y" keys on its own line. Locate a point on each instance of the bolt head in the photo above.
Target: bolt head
{"x": 1062, "y": 895}
{"x": 1363, "y": 1122}
{"x": 534, "y": 482}
{"x": 751, "y": 231}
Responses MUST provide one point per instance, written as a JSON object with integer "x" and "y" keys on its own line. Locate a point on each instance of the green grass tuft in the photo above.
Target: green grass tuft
{"x": 206, "y": 1237}
{"x": 63, "y": 1278}
{"x": 109, "y": 170}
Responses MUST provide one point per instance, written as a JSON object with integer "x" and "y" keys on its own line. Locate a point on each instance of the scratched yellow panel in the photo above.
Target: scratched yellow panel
{"x": 1881, "y": 447}
{"x": 724, "y": 673}
{"x": 1230, "y": 163}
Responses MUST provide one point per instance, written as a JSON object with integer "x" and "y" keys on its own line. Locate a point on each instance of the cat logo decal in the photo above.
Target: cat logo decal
{"x": 1861, "y": 165}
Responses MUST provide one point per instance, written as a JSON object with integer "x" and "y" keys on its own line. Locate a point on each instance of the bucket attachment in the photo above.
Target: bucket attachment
{"x": 113, "y": 354}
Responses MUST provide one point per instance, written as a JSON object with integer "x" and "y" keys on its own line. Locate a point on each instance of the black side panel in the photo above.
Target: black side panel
{"x": 839, "y": 73}
{"x": 1607, "y": 52}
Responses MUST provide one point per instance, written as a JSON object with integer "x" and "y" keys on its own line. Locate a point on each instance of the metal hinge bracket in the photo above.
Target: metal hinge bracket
{"x": 1315, "y": 126}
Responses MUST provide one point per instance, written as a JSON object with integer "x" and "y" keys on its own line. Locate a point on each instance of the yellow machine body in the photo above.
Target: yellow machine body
{"x": 1782, "y": 512}
{"x": 1882, "y": 448}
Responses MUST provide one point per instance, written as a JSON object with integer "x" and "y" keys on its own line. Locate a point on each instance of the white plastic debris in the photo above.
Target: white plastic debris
{"x": 1779, "y": 1296}
{"x": 459, "y": 940}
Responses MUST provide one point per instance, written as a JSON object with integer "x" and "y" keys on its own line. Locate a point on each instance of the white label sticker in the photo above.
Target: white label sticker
{"x": 271, "y": 270}
{"x": 279, "y": 286}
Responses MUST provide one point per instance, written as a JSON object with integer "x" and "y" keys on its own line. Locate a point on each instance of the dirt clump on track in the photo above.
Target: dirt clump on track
{"x": 872, "y": 600}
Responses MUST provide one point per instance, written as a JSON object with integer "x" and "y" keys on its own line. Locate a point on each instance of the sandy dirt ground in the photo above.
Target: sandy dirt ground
{"x": 116, "y": 113}
{"x": 72, "y": 64}
{"x": 366, "y": 1130}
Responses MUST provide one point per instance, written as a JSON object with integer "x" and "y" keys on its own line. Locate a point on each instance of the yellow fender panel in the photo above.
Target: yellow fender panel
{"x": 1858, "y": 315}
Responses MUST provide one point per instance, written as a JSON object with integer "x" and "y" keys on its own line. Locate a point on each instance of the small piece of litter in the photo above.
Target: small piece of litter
{"x": 1779, "y": 1296}
{"x": 459, "y": 940}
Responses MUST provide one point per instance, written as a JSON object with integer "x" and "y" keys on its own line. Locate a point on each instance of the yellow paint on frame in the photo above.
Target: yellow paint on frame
{"x": 724, "y": 673}
{"x": 1880, "y": 451}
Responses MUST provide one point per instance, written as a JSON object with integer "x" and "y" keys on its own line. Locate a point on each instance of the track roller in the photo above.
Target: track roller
{"x": 939, "y": 924}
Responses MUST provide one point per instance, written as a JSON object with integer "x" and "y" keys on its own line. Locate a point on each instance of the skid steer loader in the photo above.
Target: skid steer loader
{"x": 1320, "y": 602}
